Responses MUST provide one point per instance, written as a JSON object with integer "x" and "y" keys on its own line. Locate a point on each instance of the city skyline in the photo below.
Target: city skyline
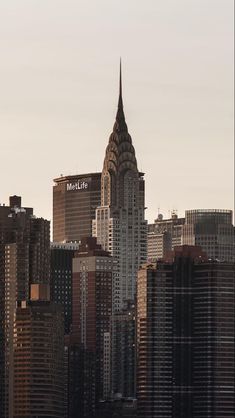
{"x": 117, "y": 241}
{"x": 59, "y": 98}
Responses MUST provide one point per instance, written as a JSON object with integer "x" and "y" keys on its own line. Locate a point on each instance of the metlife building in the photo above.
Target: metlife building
{"x": 75, "y": 199}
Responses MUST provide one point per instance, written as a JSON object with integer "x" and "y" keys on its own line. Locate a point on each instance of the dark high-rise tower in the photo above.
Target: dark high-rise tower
{"x": 185, "y": 337}
{"x": 39, "y": 377}
{"x": 90, "y": 357}
{"x": 61, "y": 278}
{"x": 24, "y": 259}
{"x": 124, "y": 359}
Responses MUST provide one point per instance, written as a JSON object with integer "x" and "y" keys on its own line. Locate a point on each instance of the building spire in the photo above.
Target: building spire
{"x": 120, "y": 103}
{"x": 120, "y": 123}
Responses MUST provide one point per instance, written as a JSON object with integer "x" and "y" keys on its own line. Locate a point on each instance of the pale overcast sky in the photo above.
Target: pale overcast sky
{"x": 59, "y": 88}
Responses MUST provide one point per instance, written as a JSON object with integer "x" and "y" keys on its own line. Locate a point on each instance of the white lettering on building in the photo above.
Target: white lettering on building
{"x": 78, "y": 185}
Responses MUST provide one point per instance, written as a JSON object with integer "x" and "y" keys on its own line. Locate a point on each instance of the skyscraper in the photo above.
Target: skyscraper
{"x": 124, "y": 351}
{"x": 75, "y": 199}
{"x": 213, "y": 230}
{"x": 120, "y": 226}
{"x": 121, "y": 229}
{"x": 185, "y": 337}
{"x": 90, "y": 349}
{"x": 61, "y": 278}
{"x": 38, "y": 375}
{"x": 24, "y": 259}
{"x": 164, "y": 235}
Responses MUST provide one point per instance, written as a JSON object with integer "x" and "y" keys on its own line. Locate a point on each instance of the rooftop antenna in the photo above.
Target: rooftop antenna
{"x": 174, "y": 214}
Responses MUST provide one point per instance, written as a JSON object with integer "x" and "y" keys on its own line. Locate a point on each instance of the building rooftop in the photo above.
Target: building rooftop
{"x": 63, "y": 178}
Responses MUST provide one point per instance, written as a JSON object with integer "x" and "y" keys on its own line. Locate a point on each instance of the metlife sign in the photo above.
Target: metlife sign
{"x": 77, "y": 185}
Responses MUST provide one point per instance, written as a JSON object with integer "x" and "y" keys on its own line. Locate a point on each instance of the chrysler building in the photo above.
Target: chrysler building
{"x": 120, "y": 226}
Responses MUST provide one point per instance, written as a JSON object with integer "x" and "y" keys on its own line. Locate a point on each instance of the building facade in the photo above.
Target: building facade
{"x": 185, "y": 337}
{"x": 61, "y": 278}
{"x": 124, "y": 351}
{"x": 117, "y": 408}
{"x": 75, "y": 199}
{"x": 38, "y": 377}
{"x": 24, "y": 259}
{"x": 212, "y": 230}
{"x": 90, "y": 344}
{"x": 120, "y": 225}
{"x": 163, "y": 236}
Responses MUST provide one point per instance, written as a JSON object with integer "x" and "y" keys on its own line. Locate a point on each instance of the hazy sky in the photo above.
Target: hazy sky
{"x": 59, "y": 86}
